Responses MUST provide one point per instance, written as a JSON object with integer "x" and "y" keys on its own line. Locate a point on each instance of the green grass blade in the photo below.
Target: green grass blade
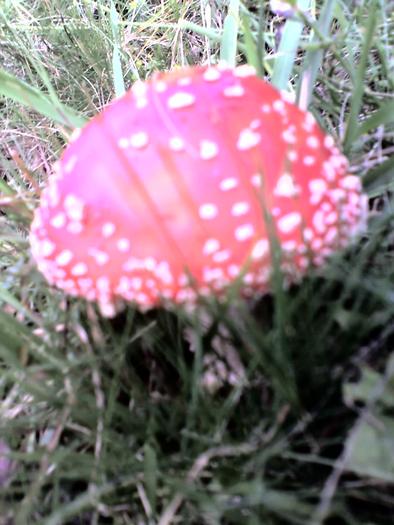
{"x": 150, "y": 475}
{"x": 29, "y": 96}
{"x": 314, "y": 56}
{"x": 228, "y": 46}
{"x": 358, "y": 88}
{"x": 119, "y": 84}
{"x": 288, "y": 47}
{"x": 380, "y": 179}
{"x": 384, "y": 115}
{"x": 251, "y": 50}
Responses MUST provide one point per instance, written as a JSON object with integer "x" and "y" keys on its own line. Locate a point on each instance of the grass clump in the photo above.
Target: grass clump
{"x": 275, "y": 412}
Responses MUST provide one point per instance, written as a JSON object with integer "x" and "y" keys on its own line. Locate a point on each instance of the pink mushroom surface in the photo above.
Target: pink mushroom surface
{"x": 173, "y": 189}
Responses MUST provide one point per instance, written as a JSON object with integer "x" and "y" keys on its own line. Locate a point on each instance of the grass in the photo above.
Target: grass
{"x": 278, "y": 411}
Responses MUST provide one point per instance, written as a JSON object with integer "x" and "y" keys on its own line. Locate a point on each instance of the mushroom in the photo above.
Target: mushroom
{"x": 165, "y": 195}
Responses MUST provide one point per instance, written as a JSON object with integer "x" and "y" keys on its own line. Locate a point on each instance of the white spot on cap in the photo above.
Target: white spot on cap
{"x": 248, "y": 278}
{"x": 79, "y": 269}
{"x": 289, "y": 135}
{"x": 256, "y": 180}
{"x": 309, "y": 122}
{"x": 329, "y": 171}
{"x": 210, "y": 246}
{"x": 233, "y": 270}
{"x": 292, "y": 155}
{"x": 329, "y": 142}
{"x": 256, "y": 123}
{"x": 103, "y": 284}
{"x": 287, "y": 96}
{"x": 123, "y": 142}
{"x": 221, "y": 256}
{"x": 123, "y": 245}
{"x": 351, "y": 182}
{"x": 331, "y": 235}
{"x": 318, "y": 221}
{"x": 160, "y": 86}
{"x": 99, "y": 256}
{"x": 64, "y": 258}
{"x": 337, "y": 195}
{"x": 240, "y": 208}
{"x": 75, "y": 134}
{"x": 71, "y": 201}
{"x": 74, "y": 227}
{"x": 74, "y": 207}
{"x": 234, "y": 91}
{"x": 289, "y": 246}
{"x": 108, "y": 229}
{"x": 208, "y": 211}
{"x": 136, "y": 283}
{"x": 285, "y": 187}
{"x": 260, "y": 249}
{"x": 176, "y": 144}
{"x": 163, "y": 272}
{"x": 211, "y": 274}
{"x": 308, "y": 234}
{"x": 70, "y": 164}
{"x": 185, "y": 81}
{"x": 279, "y": 106}
{"x": 289, "y": 222}
{"x": 211, "y": 74}
{"x": 139, "y": 140}
{"x": 309, "y": 160}
{"x": 208, "y": 149}
{"x": 107, "y": 308}
{"x": 331, "y": 218}
{"x": 244, "y": 232}
{"x": 244, "y": 71}
{"x": 141, "y": 103}
{"x": 183, "y": 280}
{"x": 266, "y": 108}
{"x": 317, "y": 186}
{"x": 312, "y": 142}
{"x": 85, "y": 283}
{"x": 181, "y": 100}
{"x": 47, "y": 248}
{"x": 150, "y": 263}
{"x": 53, "y": 195}
{"x": 228, "y": 184}
{"x": 316, "y": 244}
{"x": 248, "y": 139}
{"x": 139, "y": 88}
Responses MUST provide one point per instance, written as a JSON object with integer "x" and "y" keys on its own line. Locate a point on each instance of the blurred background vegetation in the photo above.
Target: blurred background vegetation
{"x": 279, "y": 411}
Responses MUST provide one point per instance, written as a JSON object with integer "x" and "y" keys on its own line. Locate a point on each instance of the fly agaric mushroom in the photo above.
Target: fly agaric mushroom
{"x": 165, "y": 194}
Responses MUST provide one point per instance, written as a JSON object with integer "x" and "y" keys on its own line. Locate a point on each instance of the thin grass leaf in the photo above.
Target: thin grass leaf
{"x": 228, "y": 45}
{"x": 384, "y": 115}
{"x": 150, "y": 475}
{"x": 358, "y": 87}
{"x": 251, "y": 50}
{"x": 119, "y": 84}
{"x": 261, "y": 41}
{"x": 289, "y": 44}
{"x": 314, "y": 56}
{"x": 10, "y": 299}
{"x": 85, "y": 501}
{"x": 212, "y": 34}
{"x": 29, "y": 96}
{"x": 380, "y": 179}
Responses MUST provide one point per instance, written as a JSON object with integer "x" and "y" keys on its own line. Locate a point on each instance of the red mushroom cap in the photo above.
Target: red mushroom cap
{"x": 165, "y": 194}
